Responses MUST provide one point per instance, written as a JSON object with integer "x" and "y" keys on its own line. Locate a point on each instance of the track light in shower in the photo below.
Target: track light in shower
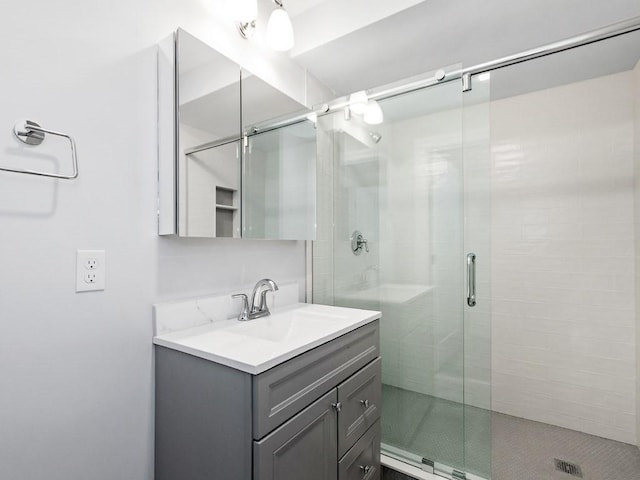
{"x": 373, "y": 113}
{"x": 375, "y": 136}
{"x": 358, "y": 102}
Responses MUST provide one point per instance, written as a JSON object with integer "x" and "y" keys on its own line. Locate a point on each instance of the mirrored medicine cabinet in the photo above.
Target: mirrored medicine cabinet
{"x": 225, "y": 168}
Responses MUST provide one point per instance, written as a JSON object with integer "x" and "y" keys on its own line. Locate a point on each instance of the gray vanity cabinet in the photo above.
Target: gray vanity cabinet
{"x": 313, "y": 417}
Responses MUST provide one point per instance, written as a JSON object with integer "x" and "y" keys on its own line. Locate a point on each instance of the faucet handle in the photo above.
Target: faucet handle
{"x": 244, "y": 313}
{"x": 262, "y": 306}
{"x": 358, "y": 242}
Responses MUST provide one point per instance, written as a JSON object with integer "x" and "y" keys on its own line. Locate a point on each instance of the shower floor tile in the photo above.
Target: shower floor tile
{"x": 525, "y": 450}
{"x": 510, "y": 448}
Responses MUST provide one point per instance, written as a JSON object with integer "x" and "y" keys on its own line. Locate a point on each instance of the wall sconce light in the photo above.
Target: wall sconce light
{"x": 279, "y": 28}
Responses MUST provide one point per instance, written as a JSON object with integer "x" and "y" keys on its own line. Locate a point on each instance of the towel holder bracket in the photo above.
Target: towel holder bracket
{"x": 25, "y": 132}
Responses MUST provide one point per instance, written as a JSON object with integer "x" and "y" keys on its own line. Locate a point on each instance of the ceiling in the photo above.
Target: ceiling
{"x": 351, "y": 45}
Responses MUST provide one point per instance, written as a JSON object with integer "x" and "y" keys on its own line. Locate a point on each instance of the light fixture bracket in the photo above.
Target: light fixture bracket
{"x": 247, "y": 29}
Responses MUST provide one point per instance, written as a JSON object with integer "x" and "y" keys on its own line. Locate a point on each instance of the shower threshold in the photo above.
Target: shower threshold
{"x": 426, "y": 431}
{"x": 413, "y": 466}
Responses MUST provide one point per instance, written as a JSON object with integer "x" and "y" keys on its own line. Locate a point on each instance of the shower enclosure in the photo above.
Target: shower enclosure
{"x": 494, "y": 228}
{"x": 393, "y": 199}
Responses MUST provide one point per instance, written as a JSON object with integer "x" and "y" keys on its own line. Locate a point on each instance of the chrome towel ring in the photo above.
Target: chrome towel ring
{"x": 33, "y": 134}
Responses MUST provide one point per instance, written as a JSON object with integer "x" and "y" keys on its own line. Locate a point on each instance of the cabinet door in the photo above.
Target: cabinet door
{"x": 305, "y": 447}
{"x": 360, "y": 398}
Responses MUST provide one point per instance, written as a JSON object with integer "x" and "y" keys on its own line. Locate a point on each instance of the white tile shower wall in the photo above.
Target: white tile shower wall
{"x": 636, "y": 110}
{"x": 77, "y": 373}
{"x": 562, "y": 257}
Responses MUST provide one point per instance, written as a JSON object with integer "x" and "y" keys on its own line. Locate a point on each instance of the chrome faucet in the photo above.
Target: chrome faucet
{"x": 258, "y": 306}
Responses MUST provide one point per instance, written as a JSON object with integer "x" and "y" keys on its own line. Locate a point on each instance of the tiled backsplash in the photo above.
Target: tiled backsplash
{"x": 563, "y": 257}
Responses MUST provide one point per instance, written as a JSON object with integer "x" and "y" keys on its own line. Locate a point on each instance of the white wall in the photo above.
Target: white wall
{"x": 76, "y": 399}
{"x": 636, "y": 110}
{"x": 562, "y": 257}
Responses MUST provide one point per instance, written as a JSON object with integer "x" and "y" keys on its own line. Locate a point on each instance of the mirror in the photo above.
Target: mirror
{"x": 279, "y": 196}
{"x": 208, "y": 118}
{"x": 212, "y": 109}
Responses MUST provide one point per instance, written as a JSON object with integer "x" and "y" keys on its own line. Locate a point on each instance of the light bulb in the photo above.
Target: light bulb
{"x": 243, "y": 11}
{"x": 280, "y": 31}
{"x": 373, "y": 113}
{"x": 358, "y": 102}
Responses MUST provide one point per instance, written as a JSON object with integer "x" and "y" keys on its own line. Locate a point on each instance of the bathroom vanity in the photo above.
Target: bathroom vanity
{"x": 295, "y": 395}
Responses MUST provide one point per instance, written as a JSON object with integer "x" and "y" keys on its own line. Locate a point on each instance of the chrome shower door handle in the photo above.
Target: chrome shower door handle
{"x": 471, "y": 279}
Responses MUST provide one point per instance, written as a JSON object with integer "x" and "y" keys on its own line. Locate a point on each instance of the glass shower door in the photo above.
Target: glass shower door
{"x": 399, "y": 185}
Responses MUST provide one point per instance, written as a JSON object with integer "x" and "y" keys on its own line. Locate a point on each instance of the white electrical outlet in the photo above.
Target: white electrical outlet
{"x": 90, "y": 270}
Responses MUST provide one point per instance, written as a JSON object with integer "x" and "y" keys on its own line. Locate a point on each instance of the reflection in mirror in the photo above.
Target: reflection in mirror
{"x": 208, "y": 90}
{"x": 279, "y": 184}
{"x": 261, "y": 102}
{"x": 208, "y": 113}
{"x": 209, "y": 203}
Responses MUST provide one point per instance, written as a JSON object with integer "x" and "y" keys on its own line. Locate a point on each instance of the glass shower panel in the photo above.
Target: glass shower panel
{"x": 400, "y": 186}
{"x": 477, "y": 239}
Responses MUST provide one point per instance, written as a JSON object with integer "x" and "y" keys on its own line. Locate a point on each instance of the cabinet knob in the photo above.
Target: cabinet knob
{"x": 365, "y": 403}
{"x": 337, "y": 406}
{"x": 365, "y": 469}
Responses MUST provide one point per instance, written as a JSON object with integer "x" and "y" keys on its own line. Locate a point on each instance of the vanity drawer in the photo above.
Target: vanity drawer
{"x": 283, "y": 391}
{"x": 359, "y": 398}
{"x": 362, "y": 462}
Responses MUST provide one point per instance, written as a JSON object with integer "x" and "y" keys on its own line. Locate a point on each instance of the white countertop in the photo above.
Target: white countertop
{"x": 257, "y": 345}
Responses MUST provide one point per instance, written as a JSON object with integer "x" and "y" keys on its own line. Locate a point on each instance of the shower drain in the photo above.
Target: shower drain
{"x": 568, "y": 467}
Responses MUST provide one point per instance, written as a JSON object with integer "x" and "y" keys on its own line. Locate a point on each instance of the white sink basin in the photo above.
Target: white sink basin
{"x": 287, "y": 324}
{"x": 256, "y": 345}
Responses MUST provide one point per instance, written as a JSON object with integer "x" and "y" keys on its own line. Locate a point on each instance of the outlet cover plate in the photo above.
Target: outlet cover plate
{"x": 90, "y": 270}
